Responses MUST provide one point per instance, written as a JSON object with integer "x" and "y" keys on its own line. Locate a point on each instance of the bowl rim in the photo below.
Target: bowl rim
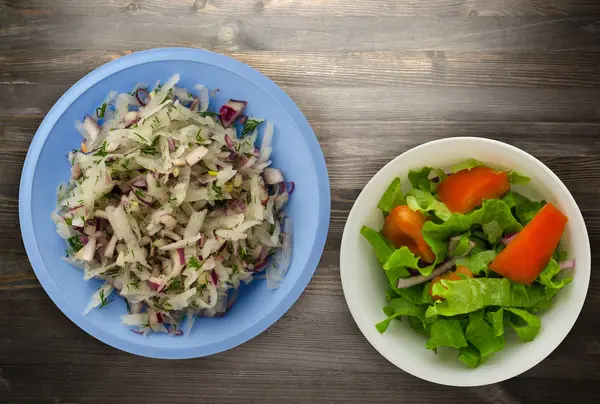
{"x": 277, "y": 95}
{"x": 414, "y": 370}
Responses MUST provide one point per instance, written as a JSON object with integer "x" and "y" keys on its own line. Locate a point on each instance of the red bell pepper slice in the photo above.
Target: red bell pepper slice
{"x": 529, "y": 252}
{"x": 403, "y": 227}
{"x": 465, "y": 190}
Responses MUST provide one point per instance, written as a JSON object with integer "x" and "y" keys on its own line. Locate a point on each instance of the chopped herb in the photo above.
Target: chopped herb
{"x": 139, "y": 193}
{"x": 75, "y": 243}
{"x": 134, "y": 126}
{"x": 128, "y": 308}
{"x": 199, "y": 138}
{"x": 175, "y": 284}
{"x": 125, "y": 163}
{"x": 167, "y": 96}
{"x": 207, "y": 113}
{"x": 193, "y": 263}
{"x": 102, "y": 150}
{"x": 141, "y": 137}
{"x": 164, "y": 306}
{"x": 103, "y": 300}
{"x": 151, "y": 149}
{"x": 100, "y": 111}
{"x": 217, "y": 190}
{"x": 250, "y": 125}
{"x": 134, "y": 285}
{"x": 111, "y": 272}
{"x": 69, "y": 221}
{"x": 190, "y": 95}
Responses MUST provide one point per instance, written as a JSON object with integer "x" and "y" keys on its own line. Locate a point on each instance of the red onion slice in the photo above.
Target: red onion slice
{"x": 171, "y": 144}
{"x": 142, "y": 96}
{"x": 214, "y": 278}
{"x": 289, "y": 186}
{"x": 195, "y": 105}
{"x": 159, "y": 317}
{"x": 231, "y": 111}
{"x": 508, "y": 238}
{"x": 181, "y": 256}
{"x": 228, "y": 142}
{"x": 567, "y": 264}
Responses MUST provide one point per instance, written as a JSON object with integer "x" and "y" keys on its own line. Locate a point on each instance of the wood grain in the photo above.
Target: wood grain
{"x": 351, "y": 69}
{"x": 374, "y": 78}
{"x": 75, "y": 25}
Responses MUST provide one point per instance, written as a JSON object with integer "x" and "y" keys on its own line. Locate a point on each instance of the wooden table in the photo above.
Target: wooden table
{"x": 374, "y": 79}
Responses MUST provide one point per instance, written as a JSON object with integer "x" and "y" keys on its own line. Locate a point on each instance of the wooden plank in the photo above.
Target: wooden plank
{"x": 376, "y": 104}
{"x": 337, "y": 8}
{"x": 237, "y": 31}
{"x": 439, "y": 68}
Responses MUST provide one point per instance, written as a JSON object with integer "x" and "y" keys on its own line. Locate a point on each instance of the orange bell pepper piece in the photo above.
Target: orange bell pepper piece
{"x": 529, "y": 252}
{"x": 451, "y": 276}
{"x": 465, "y": 190}
{"x": 403, "y": 227}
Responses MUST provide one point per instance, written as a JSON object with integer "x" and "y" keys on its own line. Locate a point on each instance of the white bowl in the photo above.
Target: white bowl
{"x": 364, "y": 281}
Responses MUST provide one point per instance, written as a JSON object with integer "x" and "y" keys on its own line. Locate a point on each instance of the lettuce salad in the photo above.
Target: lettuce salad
{"x": 474, "y": 313}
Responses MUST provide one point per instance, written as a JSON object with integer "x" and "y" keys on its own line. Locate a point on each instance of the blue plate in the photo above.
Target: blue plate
{"x": 295, "y": 151}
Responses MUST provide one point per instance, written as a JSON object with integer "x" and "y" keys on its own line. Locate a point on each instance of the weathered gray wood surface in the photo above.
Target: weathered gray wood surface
{"x": 374, "y": 79}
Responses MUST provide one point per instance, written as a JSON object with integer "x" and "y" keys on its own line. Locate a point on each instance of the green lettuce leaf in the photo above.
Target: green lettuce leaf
{"x": 482, "y": 336}
{"x": 418, "y": 294}
{"x": 525, "y": 324}
{"x": 496, "y": 320}
{"x": 383, "y": 248}
{"x": 402, "y": 257}
{"x": 390, "y": 294}
{"x": 560, "y": 255}
{"x": 548, "y": 278}
{"x": 470, "y": 356}
{"x": 424, "y": 201}
{"x": 446, "y": 332}
{"x": 517, "y": 179}
{"x": 393, "y": 274}
{"x": 420, "y": 181}
{"x": 522, "y": 207}
{"x": 392, "y": 197}
{"x": 495, "y": 219}
{"x": 455, "y": 225}
{"x": 467, "y": 165}
{"x": 462, "y": 247}
{"x": 478, "y": 262}
{"x": 471, "y": 294}
{"x": 400, "y": 307}
{"x": 419, "y": 326}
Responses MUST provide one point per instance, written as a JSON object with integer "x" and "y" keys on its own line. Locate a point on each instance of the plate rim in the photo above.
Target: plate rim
{"x": 277, "y": 95}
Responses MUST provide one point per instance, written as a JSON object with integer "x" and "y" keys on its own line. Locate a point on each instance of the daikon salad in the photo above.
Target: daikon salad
{"x": 173, "y": 206}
